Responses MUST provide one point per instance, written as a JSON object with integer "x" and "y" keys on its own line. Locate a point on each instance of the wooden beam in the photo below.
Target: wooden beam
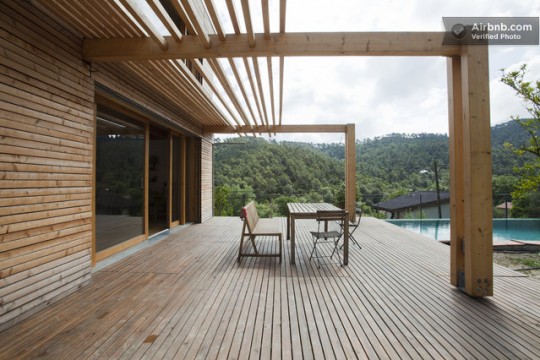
{"x": 282, "y": 15}
{"x": 249, "y": 23}
{"x": 234, "y": 69}
{"x": 203, "y": 36}
{"x": 138, "y": 13}
{"x": 261, "y": 91}
{"x": 234, "y": 16}
{"x": 172, "y": 84}
{"x": 288, "y": 44}
{"x": 196, "y": 88}
{"x": 162, "y": 14}
{"x": 281, "y": 77}
{"x": 457, "y": 191}
{"x": 225, "y": 83}
{"x": 277, "y": 129}
{"x": 181, "y": 11}
{"x": 271, "y": 88}
{"x": 478, "y": 233}
{"x": 215, "y": 18}
{"x": 253, "y": 88}
{"x": 73, "y": 20}
{"x": 266, "y": 18}
{"x": 208, "y": 78}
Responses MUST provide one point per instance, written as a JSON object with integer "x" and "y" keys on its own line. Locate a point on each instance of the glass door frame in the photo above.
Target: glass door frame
{"x": 180, "y": 158}
{"x": 188, "y": 175}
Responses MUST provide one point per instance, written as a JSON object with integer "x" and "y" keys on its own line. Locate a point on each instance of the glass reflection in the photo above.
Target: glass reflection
{"x": 120, "y": 150}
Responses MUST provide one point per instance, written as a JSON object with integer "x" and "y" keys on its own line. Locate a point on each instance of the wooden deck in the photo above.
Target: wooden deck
{"x": 186, "y": 297}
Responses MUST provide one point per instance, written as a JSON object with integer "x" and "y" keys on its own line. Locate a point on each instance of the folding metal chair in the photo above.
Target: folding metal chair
{"x": 353, "y": 226}
{"x": 323, "y": 235}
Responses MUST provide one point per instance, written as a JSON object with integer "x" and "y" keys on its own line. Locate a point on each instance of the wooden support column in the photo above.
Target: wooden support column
{"x": 350, "y": 170}
{"x": 170, "y": 192}
{"x": 476, "y": 172}
{"x": 350, "y": 182}
{"x": 183, "y": 179}
{"x": 146, "y": 179}
{"x": 457, "y": 195}
{"x": 94, "y": 187}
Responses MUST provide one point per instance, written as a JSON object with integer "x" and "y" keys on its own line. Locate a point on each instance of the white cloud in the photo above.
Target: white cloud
{"x": 385, "y": 95}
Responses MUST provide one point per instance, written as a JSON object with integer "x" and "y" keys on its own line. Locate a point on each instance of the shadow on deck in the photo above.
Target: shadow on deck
{"x": 187, "y": 297}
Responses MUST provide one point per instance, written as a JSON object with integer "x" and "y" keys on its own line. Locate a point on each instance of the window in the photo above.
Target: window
{"x": 119, "y": 186}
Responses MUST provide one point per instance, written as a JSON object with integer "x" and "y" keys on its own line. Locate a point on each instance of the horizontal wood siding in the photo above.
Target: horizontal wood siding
{"x": 206, "y": 178}
{"x": 47, "y": 122}
{"x": 46, "y": 151}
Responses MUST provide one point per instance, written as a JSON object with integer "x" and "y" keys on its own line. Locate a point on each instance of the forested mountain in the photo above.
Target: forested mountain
{"x": 275, "y": 173}
{"x": 270, "y": 172}
{"x": 503, "y": 159}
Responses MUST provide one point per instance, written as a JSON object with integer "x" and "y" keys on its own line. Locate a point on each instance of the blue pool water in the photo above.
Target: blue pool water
{"x": 503, "y": 229}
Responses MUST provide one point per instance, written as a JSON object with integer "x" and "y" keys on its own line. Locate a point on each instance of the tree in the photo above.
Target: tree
{"x": 222, "y": 205}
{"x": 528, "y": 187}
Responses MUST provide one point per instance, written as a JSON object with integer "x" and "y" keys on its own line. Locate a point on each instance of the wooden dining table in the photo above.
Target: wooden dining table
{"x": 298, "y": 211}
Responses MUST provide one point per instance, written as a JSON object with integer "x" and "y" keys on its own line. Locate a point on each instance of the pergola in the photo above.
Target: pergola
{"x": 120, "y": 35}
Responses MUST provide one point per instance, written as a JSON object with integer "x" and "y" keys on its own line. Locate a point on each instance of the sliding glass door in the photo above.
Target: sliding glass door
{"x": 119, "y": 186}
{"x": 147, "y": 179}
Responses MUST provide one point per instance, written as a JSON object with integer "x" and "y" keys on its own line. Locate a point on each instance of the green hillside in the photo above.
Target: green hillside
{"x": 275, "y": 173}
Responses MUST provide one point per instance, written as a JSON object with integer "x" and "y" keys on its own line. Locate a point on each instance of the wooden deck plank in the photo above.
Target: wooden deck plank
{"x": 461, "y": 320}
{"x": 187, "y": 297}
{"x": 225, "y": 330}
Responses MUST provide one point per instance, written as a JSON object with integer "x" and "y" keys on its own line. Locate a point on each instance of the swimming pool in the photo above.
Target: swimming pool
{"x": 503, "y": 229}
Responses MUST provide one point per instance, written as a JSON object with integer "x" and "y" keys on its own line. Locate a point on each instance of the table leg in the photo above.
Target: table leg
{"x": 293, "y": 235}
{"x": 288, "y": 226}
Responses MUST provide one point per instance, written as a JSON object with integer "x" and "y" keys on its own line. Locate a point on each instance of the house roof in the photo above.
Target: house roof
{"x": 505, "y": 205}
{"x": 413, "y": 200}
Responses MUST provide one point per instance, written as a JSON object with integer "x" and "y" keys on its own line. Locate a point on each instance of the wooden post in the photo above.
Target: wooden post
{"x": 183, "y": 179}
{"x": 350, "y": 171}
{"x": 146, "y": 178}
{"x": 94, "y": 182}
{"x": 457, "y": 195}
{"x": 170, "y": 187}
{"x": 476, "y": 169}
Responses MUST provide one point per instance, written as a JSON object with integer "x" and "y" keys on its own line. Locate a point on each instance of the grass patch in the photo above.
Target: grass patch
{"x": 531, "y": 263}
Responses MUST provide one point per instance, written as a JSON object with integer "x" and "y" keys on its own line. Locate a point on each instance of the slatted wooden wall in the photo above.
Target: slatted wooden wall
{"x": 206, "y": 179}
{"x": 46, "y": 152}
{"x": 47, "y": 110}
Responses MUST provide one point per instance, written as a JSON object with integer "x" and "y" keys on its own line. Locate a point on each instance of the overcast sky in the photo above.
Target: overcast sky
{"x": 382, "y": 95}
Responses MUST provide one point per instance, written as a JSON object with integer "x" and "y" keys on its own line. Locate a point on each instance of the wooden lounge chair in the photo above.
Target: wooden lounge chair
{"x": 254, "y": 227}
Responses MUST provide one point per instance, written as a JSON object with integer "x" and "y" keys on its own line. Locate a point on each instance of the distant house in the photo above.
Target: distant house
{"x": 420, "y": 204}
{"x": 505, "y": 205}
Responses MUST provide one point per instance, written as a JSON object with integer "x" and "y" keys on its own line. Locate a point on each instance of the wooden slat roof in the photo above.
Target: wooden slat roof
{"x": 226, "y": 97}
{"x": 127, "y": 33}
